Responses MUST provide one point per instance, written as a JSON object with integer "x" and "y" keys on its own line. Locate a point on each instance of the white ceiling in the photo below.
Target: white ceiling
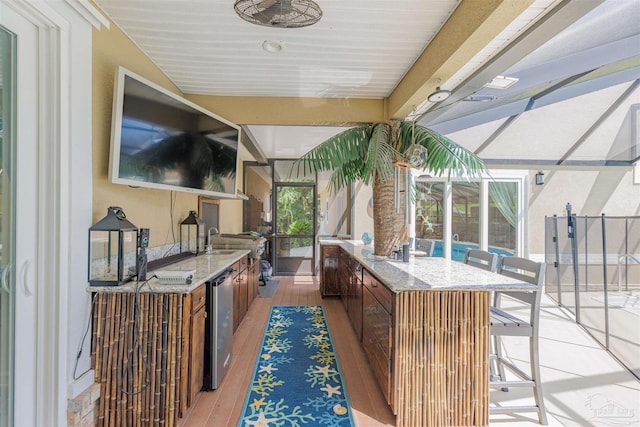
{"x": 359, "y": 49}
{"x": 291, "y": 142}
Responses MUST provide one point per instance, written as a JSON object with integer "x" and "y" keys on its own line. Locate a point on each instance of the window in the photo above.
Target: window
{"x": 488, "y": 214}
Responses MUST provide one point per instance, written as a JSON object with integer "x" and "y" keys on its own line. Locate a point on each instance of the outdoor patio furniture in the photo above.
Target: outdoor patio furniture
{"x": 425, "y": 245}
{"x": 505, "y": 324}
{"x": 481, "y": 259}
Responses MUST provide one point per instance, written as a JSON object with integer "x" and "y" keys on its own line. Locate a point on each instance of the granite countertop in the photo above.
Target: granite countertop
{"x": 427, "y": 273}
{"x": 206, "y": 267}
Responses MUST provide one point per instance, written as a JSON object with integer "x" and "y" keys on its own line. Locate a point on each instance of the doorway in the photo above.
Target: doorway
{"x": 294, "y": 220}
{"x": 281, "y": 205}
{"x": 295, "y": 223}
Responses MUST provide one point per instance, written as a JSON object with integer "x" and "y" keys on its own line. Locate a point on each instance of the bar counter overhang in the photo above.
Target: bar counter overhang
{"x": 441, "y": 336}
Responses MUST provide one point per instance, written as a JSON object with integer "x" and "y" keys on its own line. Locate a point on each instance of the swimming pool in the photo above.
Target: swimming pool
{"x": 458, "y": 249}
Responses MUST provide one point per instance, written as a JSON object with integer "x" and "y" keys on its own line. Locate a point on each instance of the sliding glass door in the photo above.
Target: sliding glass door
{"x": 465, "y": 218}
{"x": 7, "y": 207}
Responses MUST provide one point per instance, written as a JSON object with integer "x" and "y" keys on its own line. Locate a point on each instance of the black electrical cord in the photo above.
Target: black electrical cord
{"x": 128, "y": 368}
{"x": 172, "y": 202}
{"x": 84, "y": 336}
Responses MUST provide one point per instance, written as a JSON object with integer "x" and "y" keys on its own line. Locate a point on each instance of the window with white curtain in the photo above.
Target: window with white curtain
{"x": 488, "y": 213}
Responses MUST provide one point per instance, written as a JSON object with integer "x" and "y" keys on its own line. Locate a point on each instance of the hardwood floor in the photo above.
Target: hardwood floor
{"x": 222, "y": 407}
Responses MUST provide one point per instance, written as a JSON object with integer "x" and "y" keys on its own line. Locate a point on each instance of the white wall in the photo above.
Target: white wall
{"x": 547, "y": 134}
{"x": 64, "y": 205}
{"x": 608, "y": 190}
{"x": 79, "y": 182}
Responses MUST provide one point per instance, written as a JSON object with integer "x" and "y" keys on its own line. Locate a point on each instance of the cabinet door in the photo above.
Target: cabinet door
{"x": 355, "y": 305}
{"x": 252, "y": 288}
{"x": 345, "y": 278}
{"x": 330, "y": 273}
{"x": 243, "y": 285}
{"x": 236, "y": 303}
{"x": 196, "y": 356}
{"x": 376, "y": 340}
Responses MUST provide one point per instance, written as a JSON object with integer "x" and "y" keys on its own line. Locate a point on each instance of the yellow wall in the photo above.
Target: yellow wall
{"x": 144, "y": 207}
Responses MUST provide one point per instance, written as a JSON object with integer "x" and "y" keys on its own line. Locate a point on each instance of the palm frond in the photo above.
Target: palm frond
{"x": 380, "y": 156}
{"x": 443, "y": 155}
{"x": 336, "y": 151}
{"x": 345, "y": 175}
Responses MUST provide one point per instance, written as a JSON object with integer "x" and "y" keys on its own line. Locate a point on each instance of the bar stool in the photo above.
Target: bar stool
{"x": 425, "y": 245}
{"x": 481, "y": 259}
{"x": 506, "y": 324}
{"x": 485, "y": 261}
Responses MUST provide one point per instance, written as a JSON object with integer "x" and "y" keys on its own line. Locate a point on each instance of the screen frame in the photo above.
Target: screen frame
{"x": 116, "y": 137}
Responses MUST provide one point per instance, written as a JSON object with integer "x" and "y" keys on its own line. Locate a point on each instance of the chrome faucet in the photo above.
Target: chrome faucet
{"x": 208, "y": 245}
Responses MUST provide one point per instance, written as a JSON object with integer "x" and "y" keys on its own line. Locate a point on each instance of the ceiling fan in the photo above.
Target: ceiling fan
{"x": 279, "y": 13}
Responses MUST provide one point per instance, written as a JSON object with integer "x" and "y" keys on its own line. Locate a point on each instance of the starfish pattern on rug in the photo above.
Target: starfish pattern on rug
{"x": 297, "y": 380}
{"x": 331, "y": 390}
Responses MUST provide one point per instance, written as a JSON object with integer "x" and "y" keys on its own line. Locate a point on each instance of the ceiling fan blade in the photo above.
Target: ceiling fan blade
{"x": 277, "y": 7}
{"x": 265, "y": 4}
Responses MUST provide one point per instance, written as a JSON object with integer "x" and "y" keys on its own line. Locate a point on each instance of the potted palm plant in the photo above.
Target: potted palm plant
{"x": 372, "y": 153}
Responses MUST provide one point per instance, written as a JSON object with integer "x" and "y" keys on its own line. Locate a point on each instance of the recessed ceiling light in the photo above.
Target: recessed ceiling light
{"x": 273, "y": 46}
{"x": 501, "y": 82}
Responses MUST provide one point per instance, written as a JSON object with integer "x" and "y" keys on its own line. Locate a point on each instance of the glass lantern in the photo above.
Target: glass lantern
{"x": 192, "y": 234}
{"x": 113, "y": 244}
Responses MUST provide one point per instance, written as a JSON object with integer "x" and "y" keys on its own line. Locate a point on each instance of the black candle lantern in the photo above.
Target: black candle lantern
{"x": 113, "y": 243}
{"x": 192, "y": 234}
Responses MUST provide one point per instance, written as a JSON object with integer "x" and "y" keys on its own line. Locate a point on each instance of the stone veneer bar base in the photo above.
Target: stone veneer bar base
{"x": 442, "y": 358}
{"x": 82, "y": 410}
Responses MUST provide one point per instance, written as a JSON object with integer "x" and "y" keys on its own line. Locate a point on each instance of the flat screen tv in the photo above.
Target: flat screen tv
{"x": 160, "y": 140}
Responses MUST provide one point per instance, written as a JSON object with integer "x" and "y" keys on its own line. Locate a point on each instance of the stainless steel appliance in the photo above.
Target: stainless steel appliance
{"x": 251, "y": 241}
{"x": 218, "y": 329}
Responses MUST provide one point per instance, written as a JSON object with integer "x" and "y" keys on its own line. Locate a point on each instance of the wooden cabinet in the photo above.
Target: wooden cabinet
{"x": 242, "y": 307}
{"x": 354, "y": 296}
{"x": 166, "y": 373}
{"x": 350, "y": 290}
{"x": 344, "y": 275}
{"x": 196, "y": 339}
{"x": 377, "y": 332}
{"x": 370, "y": 307}
{"x": 242, "y": 288}
{"x": 330, "y": 271}
{"x": 413, "y": 348}
{"x": 239, "y": 293}
{"x": 253, "y": 281}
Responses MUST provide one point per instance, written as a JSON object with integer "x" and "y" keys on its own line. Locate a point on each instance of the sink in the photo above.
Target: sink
{"x": 221, "y": 251}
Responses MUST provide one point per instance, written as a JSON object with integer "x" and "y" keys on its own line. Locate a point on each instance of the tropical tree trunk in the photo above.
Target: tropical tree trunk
{"x": 388, "y": 222}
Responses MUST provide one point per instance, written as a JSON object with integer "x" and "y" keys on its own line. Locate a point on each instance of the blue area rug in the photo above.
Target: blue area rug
{"x": 297, "y": 379}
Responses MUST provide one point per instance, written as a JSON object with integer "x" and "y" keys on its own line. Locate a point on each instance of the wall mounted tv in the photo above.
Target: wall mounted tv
{"x": 160, "y": 140}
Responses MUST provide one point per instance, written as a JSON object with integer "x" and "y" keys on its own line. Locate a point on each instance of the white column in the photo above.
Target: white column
{"x": 484, "y": 215}
{"x": 447, "y": 226}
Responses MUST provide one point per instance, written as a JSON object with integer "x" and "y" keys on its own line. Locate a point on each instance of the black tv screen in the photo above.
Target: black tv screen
{"x": 160, "y": 140}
